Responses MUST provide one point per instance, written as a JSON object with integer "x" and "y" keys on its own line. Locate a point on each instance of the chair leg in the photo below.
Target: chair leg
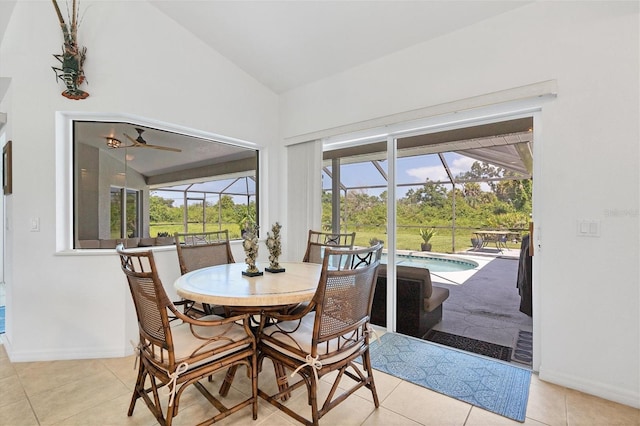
{"x": 254, "y": 385}
{"x": 281, "y": 378}
{"x": 226, "y": 385}
{"x": 139, "y": 387}
{"x": 140, "y": 392}
{"x": 366, "y": 363}
{"x": 313, "y": 400}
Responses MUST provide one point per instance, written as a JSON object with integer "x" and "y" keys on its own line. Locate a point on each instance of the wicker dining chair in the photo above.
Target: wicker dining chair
{"x": 176, "y": 356}
{"x": 329, "y": 335}
{"x": 198, "y": 250}
{"x": 318, "y": 241}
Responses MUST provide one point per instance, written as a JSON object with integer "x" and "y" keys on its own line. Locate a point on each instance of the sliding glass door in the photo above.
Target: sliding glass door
{"x": 425, "y": 194}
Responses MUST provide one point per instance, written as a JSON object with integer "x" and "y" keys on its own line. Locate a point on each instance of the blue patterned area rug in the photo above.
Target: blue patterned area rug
{"x": 489, "y": 384}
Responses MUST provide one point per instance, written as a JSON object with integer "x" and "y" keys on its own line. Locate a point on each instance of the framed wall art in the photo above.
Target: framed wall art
{"x": 7, "y": 184}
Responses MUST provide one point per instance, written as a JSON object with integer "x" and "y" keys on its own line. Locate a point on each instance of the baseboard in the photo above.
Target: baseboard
{"x": 64, "y": 354}
{"x": 598, "y": 389}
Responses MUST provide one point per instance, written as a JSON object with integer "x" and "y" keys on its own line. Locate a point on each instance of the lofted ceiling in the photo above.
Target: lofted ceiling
{"x": 287, "y": 44}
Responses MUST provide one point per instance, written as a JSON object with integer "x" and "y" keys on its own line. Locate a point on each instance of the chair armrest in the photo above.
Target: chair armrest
{"x": 295, "y": 313}
{"x": 209, "y": 320}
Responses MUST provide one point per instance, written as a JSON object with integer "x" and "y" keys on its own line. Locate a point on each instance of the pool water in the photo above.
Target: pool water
{"x": 439, "y": 263}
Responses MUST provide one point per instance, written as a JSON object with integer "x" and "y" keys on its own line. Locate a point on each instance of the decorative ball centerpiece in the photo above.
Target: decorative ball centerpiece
{"x": 250, "y": 245}
{"x": 275, "y": 249}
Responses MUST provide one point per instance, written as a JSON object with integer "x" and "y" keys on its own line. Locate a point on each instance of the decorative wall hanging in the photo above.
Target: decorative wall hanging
{"x": 275, "y": 249}
{"x": 72, "y": 57}
{"x": 7, "y": 180}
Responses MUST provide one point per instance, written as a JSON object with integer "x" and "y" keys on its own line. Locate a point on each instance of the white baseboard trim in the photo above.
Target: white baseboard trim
{"x": 628, "y": 397}
{"x": 65, "y": 354}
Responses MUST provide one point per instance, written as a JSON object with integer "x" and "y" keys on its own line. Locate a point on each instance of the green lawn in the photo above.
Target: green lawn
{"x": 407, "y": 238}
{"x": 172, "y": 228}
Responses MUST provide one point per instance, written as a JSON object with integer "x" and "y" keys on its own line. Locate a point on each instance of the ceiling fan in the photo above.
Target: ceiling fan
{"x": 139, "y": 142}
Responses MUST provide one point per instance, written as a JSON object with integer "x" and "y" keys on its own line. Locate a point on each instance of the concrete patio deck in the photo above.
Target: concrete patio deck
{"x": 485, "y": 306}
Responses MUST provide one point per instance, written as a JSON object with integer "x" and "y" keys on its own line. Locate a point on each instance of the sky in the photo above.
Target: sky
{"x": 416, "y": 169}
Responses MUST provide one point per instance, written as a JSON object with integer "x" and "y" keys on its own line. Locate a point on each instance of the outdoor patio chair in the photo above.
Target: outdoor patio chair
{"x": 187, "y": 352}
{"x": 329, "y": 335}
{"x": 198, "y": 250}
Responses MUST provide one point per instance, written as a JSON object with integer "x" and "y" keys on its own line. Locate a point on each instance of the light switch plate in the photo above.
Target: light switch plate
{"x": 588, "y": 228}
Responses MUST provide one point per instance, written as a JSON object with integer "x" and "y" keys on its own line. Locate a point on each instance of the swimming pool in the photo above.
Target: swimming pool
{"x": 434, "y": 262}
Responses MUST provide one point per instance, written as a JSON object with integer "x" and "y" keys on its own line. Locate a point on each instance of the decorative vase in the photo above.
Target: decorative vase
{"x": 425, "y": 246}
{"x": 274, "y": 246}
{"x": 250, "y": 245}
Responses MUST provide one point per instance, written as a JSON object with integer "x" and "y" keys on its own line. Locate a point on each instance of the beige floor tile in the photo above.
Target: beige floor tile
{"x": 18, "y": 414}
{"x": 111, "y": 413}
{"x": 39, "y": 377}
{"x": 583, "y": 409}
{"x": 66, "y": 400}
{"x": 6, "y": 368}
{"x": 547, "y": 403}
{"x": 385, "y": 384}
{"x": 353, "y": 411}
{"x": 384, "y": 417}
{"x": 200, "y": 409}
{"x": 11, "y": 391}
{"x": 425, "y": 406}
{"x": 480, "y": 417}
{"x": 274, "y": 419}
{"x": 97, "y": 392}
{"x": 126, "y": 369}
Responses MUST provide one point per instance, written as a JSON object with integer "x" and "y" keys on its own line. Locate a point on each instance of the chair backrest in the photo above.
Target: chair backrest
{"x": 344, "y": 297}
{"x": 198, "y": 250}
{"x": 318, "y": 241}
{"x": 151, "y": 303}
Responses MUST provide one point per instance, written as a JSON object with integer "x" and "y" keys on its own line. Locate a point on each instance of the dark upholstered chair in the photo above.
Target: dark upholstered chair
{"x": 328, "y": 336}
{"x": 418, "y": 302}
{"x": 198, "y": 250}
{"x": 186, "y": 352}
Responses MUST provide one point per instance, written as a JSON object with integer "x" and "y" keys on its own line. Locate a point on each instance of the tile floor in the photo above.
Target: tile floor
{"x": 98, "y": 391}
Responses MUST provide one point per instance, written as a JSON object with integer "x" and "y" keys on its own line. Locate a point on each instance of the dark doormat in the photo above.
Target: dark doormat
{"x": 523, "y": 352}
{"x": 470, "y": 345}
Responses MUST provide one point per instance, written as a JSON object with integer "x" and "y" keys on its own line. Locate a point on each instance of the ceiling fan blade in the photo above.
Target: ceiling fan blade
{"x": 133, "y": 141}
{"x": 164, "y": 148}
{"x": 137, "y": 144}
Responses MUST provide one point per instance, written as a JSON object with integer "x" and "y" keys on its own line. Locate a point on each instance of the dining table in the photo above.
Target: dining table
{"x": 499, "y": 238}
{"x": 226, "y": 285}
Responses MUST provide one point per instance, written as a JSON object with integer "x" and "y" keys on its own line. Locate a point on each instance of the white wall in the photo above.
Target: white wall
{"x": 586, "y": 290}
{"x": 62, "y": 305}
